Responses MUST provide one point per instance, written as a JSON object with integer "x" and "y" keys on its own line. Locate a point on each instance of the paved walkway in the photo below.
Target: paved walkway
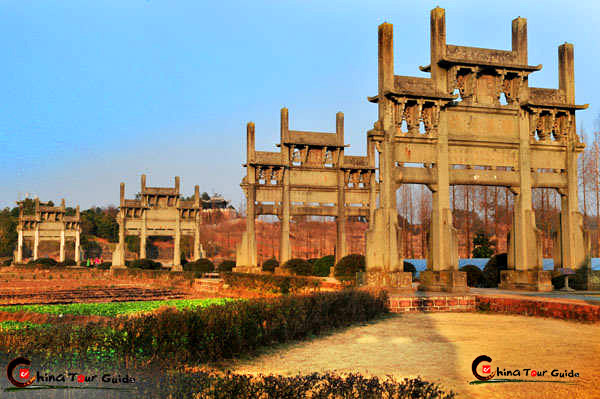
{"x": 441, "y": 347}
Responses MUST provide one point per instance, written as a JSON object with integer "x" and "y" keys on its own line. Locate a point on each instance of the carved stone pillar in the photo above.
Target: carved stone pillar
{"x": 36, "y": 242}
{"x": 285, "y": 250}
{"x": 177, "y": 245}
{"x": 384, "y": 265}
{"x": 118, "y": 260}
{"x": 77, "y": 246}
{"x": 442, "y": 262}
{"x": 246, "y": 259}
{"x": 197, "y": 254}
{"x": 340, "y": 220}
{"x": 62, "y": 245}
{"x": 143, "y": 236}
{"x": 525, "y": 246}
{"x": 19, "y": 258}
{"x": 247, "y": 256}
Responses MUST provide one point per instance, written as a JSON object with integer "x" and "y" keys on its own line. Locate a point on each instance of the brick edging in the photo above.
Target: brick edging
{"x": 539, "y": 307}
{"x": 465, "y": 303}
{"x": 499, "y": 304}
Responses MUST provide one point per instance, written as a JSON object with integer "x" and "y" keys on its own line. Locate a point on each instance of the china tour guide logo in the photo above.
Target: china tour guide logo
{"x": 23, "y": 373}
{"x": 20, "y": 374}
{"x": 482, "y": 370}
{"x": 485, "y": 369}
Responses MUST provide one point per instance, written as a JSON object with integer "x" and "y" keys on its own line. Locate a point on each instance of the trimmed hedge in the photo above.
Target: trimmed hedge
{"x": 269, "y": 265}
{"x": 103, "y": 265}
{"x": 475, "y": 276}
{"x": 409, "y": 267}
{"x": 348, "y": 266}
{"x": 43, "y": 262}
{"x": 226, "y": 266}
{"x": 269, "y": 283}
{"x": 146, "y": 264}
{"x": 205, "y": 334}
{"x": 200, "y": 266}
{"x": 492, "y": 269}
{"x": 213, "y": 385}
{"x": 298, "y": 267}
{"x": 322, "y": 266}
{"x": 67, "y": 262}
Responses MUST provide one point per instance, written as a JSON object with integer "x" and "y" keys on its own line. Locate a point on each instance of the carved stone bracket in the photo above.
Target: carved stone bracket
{"x": 500, "y": 83}
{"x": 399, "y": 112}
{"x": 268, "y": 174}
{"x": 465, "y": 83}
{"x": 413, "y": 112}
{"x": 548, "y": 124}
{"x": 534, "y": 117}
{"x": 511, "y": 84}
{"x": 413, "y": 117}
{"x": 357, "y": 177}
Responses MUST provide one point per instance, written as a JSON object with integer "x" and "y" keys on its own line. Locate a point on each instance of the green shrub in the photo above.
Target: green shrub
{"x": 103, "y": 265}
{"x": 409, "y": 267}
{"x": 269, "y": 265}
{"x": 474, "y": 275}
{"x": 204, "y": 384}
{"x": 200, "y": 266}
{"x": 492, "y": 269}
{"x": 298, "y": 267}
{"x": 44, "y": 262}
{"x": 199, "y": 335}
{"x": 268, "y": 283}
{"x": 67, "y": 262}
{"x": 226, "y": 266}
{"x": 147, "y": 264}
{"x": 348, "y": 266}
{"x": 323, "y": 266}
{"x": 482, "y": 246}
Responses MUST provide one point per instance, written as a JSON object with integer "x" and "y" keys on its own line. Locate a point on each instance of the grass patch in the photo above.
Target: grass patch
{"x": 11, "y": 325}
{"x": 112, "y": 309}
{"x": 202, "y": 333}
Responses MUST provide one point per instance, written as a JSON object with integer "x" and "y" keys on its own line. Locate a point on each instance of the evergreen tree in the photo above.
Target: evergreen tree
{"x": 482, "y": 246}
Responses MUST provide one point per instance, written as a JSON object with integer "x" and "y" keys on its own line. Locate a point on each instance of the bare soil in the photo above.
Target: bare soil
{"x": 440, "y": 347}
{"x": 36, "y": 286}
{"x": 41, "y": 318}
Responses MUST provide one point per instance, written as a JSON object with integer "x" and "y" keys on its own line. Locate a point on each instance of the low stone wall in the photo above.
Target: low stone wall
{"x": 442, "y": 303}
{"x": 208, "y": 284}
{"x": 544, "y": 307}
{"x": 152, "y": 274}
{"x": 567, "y": 310}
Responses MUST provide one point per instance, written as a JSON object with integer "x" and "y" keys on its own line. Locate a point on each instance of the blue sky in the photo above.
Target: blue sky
{"x": 99, "y": 92}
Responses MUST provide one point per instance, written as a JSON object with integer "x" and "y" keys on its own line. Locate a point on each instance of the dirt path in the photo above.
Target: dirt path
{"x": 441, "y": 347}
